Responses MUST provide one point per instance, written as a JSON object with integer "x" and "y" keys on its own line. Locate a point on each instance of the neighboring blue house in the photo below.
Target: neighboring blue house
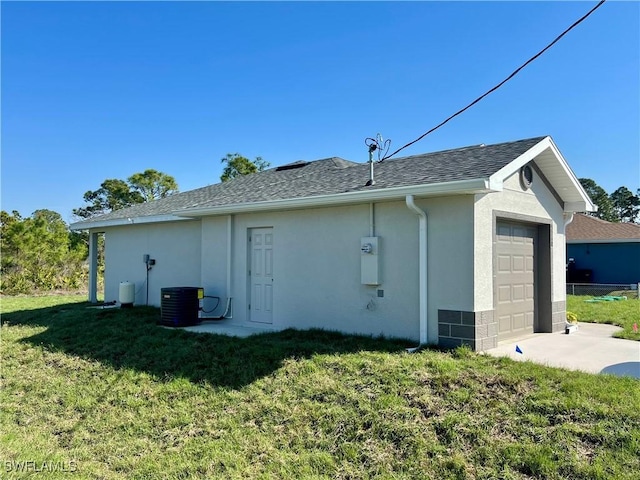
{"x": 603, "y": 252}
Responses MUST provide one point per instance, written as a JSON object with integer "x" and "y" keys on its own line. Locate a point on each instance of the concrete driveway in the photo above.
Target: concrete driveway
{"x": 590, "y": 349}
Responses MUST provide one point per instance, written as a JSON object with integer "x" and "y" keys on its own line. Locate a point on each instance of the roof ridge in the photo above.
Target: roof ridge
{"x": 332, "y": 176}
{"x": 468, "y": 147}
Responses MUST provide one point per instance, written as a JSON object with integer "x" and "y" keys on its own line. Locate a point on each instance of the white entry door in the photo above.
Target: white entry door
{"x": 261, "y": 275}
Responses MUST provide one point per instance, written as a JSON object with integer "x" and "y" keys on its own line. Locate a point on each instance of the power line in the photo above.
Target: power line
{"x": 501, "y": 83}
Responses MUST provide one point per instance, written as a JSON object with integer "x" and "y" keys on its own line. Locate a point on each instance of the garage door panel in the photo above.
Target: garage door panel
{"x": 504, "y": 293}
{"x": 517, "y": 263}
{"x": 529, "y": 292}
{"x": 529, "y": 321}
{"x": 504, "y": 263}
{"x": 517, "y": 294}
{"x": 515, "y": 279}
{"x": 518, "y": 321}
{"x": 529, "y": 264}
{"x": 504, "y": 324}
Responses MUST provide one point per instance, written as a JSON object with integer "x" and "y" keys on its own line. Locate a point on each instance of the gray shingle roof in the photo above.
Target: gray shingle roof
{"x": 333, "y": 176}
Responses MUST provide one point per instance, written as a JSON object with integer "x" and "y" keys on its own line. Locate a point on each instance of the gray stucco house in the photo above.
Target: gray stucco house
{"x": 463, "y": 246}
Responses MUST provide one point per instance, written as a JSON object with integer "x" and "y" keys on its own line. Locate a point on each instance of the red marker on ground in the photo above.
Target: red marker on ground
{"x": 635, "y": 328}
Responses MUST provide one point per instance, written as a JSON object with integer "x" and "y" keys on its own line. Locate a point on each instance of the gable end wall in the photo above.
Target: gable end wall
{"x": 537, "y": 205}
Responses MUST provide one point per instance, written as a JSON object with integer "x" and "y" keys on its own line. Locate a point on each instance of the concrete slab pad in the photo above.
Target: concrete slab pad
{"x": 591, "y": 349}
{"x": 224, "y": 327}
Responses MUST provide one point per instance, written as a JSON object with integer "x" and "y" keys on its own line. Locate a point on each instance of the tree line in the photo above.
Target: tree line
{"x": 40, "y": 253}
{"x": 620, "y": 206}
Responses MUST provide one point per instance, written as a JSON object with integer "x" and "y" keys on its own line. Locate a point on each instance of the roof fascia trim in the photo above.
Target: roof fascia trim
{"x": 520, "y": 161}
{"x": 590, "y": 206}
{"x": 586, "y": 205}
{"x": 602, "y": 240}
{"x": 478, "y": 185}
{"x": 577, "y": 207}
{"x": 116, "y": 222}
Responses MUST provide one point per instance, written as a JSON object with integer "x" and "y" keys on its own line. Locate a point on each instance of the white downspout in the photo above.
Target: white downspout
{"x": 568, "y": 218}
{"x": 422, "y": 259}
{"x": 229, "y": 240}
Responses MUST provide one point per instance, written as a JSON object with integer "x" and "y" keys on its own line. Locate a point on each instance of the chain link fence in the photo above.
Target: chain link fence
{"x": 604, "y": 289}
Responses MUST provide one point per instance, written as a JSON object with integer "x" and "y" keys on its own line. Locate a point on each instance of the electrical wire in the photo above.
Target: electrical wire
{"x": 501, "y": 83}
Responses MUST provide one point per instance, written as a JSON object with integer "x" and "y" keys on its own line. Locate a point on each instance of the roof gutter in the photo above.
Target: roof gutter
{"x": 422, "y": 260}
{"x": 479, "y": 185}
{"x": 601, "y": 240}
{"x": 473, "y": 186}
{"x": 116, "y": 222}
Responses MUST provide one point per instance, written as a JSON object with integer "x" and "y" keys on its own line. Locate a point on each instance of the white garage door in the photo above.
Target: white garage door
{"x": 515, "y": 279}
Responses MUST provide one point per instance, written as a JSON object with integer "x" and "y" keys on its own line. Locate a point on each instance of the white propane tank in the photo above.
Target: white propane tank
{"x": 127, "y": 294}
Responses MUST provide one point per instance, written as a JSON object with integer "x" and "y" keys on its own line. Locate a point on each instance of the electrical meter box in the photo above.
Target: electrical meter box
{"x": 370, "y": 260}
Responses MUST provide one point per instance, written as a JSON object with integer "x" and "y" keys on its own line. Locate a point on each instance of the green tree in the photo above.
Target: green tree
{"x": 152, "y": 184}
{"x": 115, "y": 194}
{"x": 626, "y": 205}
{"x": 600, "y": 197}
{"x": 237, "y": 165}
{"x": 10, "y": 230}
{"x": 38, "y": 254}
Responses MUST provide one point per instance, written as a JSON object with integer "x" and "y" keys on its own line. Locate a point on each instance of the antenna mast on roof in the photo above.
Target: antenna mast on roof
{"x": 382, "y": 146}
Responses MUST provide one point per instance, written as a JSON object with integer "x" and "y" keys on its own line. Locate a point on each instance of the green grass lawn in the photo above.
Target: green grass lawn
{"x": 108, "y": 394}
{"x": 623, "y": 313}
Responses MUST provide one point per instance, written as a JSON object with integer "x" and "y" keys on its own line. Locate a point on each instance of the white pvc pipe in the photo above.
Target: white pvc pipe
{"x": 372, "y": 220}
{"x": 422, "y": 259}
{"x": 229, "y": 240}
{"x": 227, "y": 312}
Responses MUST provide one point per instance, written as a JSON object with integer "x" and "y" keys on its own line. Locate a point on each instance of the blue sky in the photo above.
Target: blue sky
{"x": 97, "y": 90}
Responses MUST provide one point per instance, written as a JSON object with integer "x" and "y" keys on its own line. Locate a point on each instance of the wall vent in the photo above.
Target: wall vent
{"x": 292, "y": 166}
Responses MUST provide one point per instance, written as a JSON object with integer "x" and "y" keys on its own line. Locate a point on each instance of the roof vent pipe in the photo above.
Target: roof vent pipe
{"x": 372, "y": 149}
{"x": 422, "y": 259}
{"x": 374, "y": 144}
